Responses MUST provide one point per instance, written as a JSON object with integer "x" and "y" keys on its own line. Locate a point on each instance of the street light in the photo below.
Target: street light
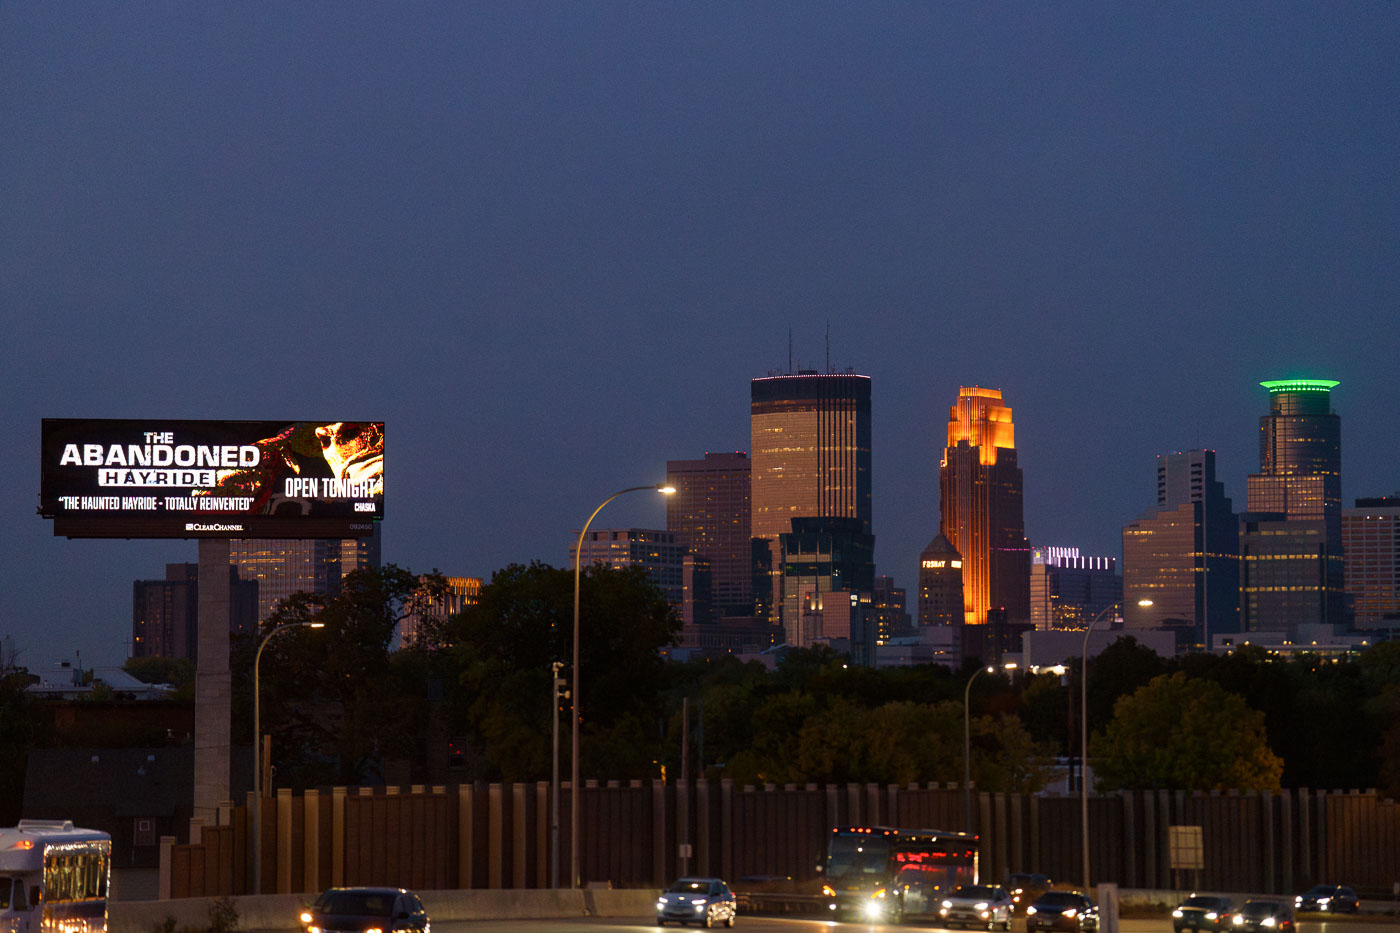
{"x": 967, "y": 745}
{"x": 577, "y": 697}
{"x": 1084, "y": 736}
{"x": 257, "y": 752}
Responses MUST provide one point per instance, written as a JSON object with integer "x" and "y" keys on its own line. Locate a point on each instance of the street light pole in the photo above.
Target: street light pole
{"x": 556, "y": 682}
{"x": 1084, "y": 736}
{"x": 257, "y": 751}
{"x": 577, "y": 697}
{"x": 967, "y": 750}
{"x": 967, "y": 744}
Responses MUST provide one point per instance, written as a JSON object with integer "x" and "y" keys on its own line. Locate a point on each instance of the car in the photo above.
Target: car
{"x": 701, "y": 901}
{"x": 1062, "y": 910}
{"x": 1025, "y": 887}
{"x": 981, "y": 905}
{"x": 1203, "y": 912}
{"x": 1327, "y": 898}
{"x": 366, "y": 910}
{"x": 1262, "y": 915}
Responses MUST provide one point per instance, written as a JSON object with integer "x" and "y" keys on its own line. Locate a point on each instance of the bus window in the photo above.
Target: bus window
{"x": 4, "y": 893}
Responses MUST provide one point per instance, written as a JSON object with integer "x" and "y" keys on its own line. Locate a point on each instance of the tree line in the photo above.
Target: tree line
{"x": 473, "y": 694}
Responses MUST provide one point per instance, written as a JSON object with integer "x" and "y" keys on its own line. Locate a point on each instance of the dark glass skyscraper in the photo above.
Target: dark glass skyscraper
{"x": 1291, "y": 570}
{"x": 981, "y": 507}
{"x": 811, "y": 460}
{"x": 1183, "y": 553}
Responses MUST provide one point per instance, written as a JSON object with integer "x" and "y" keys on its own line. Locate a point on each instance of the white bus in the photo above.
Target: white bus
{"x": 54, "y": 878}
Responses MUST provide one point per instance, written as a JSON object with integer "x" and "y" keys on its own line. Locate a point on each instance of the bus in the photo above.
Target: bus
{"x": 875, "y": 873}
{"x": 54, "y": 878}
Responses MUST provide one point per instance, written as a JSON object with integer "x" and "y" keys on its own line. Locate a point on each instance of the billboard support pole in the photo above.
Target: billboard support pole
{"x": 213, "y": 694}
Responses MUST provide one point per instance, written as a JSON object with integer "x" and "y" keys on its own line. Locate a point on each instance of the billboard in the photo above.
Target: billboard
{"x": 221, "y": 479}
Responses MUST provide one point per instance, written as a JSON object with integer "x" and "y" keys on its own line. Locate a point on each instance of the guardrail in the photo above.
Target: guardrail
{"x": 276, "y": 913}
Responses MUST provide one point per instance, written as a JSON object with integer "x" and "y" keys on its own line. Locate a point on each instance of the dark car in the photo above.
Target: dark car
{"x": 1203, "y": 912}
{"x": 1327, "y": 898}
{"x": 366, "y": 910}
{"x": 1062, "y": 910}
{"x": 1261, "y": 915}
{"x": 1025, "y": 887}
{"x": 701, "y": 901}
{"x": 981, "y": 905}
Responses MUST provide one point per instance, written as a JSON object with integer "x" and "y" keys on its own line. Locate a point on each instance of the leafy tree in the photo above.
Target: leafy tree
{"x": 771, "y": 756}
{"x": 1006, "y": 759}
{"x": 1184, "y": 734}
{"x": 337, "y": 701}
{"x": 521, "y": 624}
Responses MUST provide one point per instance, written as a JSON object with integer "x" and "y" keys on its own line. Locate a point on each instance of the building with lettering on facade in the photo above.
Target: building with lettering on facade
{"x": 940, "y": 584}
{"x": 1070, "y": 590}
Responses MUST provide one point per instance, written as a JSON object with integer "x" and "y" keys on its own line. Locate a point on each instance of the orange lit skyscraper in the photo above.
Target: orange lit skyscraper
{"x": 980, "y": 501}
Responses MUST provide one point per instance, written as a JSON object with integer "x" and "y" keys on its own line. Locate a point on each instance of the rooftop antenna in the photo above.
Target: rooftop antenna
{"x": 789, "y": 349}
{"x": 828, "y": 347}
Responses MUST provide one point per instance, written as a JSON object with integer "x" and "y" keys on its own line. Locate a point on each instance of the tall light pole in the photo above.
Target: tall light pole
{"x": 967, "y": 745}
{"x": 257, "y": 751}
{"x": 1084, "y": 736}
{"x": 577, "y": 696}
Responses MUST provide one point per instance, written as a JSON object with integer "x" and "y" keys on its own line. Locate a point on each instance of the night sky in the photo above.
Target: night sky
{"x": 550, "y": 244}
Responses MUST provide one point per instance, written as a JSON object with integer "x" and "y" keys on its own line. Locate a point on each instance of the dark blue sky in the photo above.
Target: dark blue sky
{"x": 549, "y": 244}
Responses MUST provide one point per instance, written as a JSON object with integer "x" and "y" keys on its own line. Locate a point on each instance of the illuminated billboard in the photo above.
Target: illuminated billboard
{"x": 220, "y": 479}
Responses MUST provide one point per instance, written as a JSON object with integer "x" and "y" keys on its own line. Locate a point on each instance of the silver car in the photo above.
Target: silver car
{"x": 701, "y": 901}
{"x": 983, "y": 905}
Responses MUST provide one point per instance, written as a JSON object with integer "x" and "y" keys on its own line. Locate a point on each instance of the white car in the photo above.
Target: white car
{"x": 983, "y": 905}
{"x": 701, "y": 901}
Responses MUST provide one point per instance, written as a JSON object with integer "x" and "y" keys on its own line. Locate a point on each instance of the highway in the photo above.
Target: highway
{"x": 758, "y": 924}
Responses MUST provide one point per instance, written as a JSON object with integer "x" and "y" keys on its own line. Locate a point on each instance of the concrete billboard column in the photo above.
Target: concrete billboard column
{"x": 212, "y": 683}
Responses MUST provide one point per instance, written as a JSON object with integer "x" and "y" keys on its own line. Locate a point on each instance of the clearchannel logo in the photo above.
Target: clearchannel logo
{"x": 205, "y": 526}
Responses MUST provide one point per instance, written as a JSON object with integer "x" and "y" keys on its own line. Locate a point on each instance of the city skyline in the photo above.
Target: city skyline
{"x": 550, "y": 250}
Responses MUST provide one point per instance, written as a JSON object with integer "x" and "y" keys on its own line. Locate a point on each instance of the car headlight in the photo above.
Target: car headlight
{"x": 828, "y": 890}
{"x": 947, "y": 904}
{"x": 880, "y": 893}
{"x": 374, "y": 930}
{"x": 1267, "y": 921}
{"x": 1323, "y": 901}
{"x": 1211, "y": 915}
{"x": 699, "y": 907}
{"x": 306, "y": 916}
{"x": 1030, "y": 911}
{"x": 873, "y": 909}
{"x": 1069, "y": 912}
{"x": 1177, "y": 913}
{"x": 981, "y": 906}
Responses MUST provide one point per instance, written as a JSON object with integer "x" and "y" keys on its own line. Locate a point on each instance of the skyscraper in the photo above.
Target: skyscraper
{"x": 165, "y": 613}
{"x": 710, "y": 508}
{"x": 1371, "y": 539}
{"x": 1291, "y": 570}
{"x": 1183, "y": 554}
{"x": 940, "y": 584}
{"x": 811, "y": 460}
{"x": 811, "y": 449}
{"x": 981, "y": 507}
{"x": 661, "y": 554}
{"x": 282, "y": 567}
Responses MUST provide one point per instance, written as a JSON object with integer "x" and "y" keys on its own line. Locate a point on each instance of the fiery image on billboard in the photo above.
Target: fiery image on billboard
{"x": 139, "y": 479}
